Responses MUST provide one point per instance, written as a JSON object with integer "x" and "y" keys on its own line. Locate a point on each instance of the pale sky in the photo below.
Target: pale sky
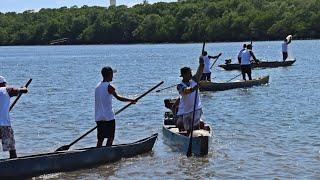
{"x": 22, "y": 5}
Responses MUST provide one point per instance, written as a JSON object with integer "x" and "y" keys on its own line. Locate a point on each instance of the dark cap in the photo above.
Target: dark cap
{"x": 249, "y": 46}
{"x": 184, "y": 70}
{"x": 204, "y": 53}
{"x": 106, "y": 70}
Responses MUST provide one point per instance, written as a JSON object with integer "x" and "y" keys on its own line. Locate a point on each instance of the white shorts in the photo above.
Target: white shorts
{"x": 186, "y": 119}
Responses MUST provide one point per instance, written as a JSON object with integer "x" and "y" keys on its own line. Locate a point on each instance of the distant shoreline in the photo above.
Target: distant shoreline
{"x": 180, "y": 22}
{"x": 148, "y": 43}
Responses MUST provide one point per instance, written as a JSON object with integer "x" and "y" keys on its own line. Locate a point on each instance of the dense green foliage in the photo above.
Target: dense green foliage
{"x": 184, "y": 21}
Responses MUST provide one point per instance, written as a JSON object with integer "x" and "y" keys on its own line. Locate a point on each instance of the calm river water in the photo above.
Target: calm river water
{"x": 265, "y": 132}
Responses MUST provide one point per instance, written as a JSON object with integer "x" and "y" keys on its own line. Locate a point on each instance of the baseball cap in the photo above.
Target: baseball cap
{"x": 106, "y": 69}
{"x": 184, "y": 70}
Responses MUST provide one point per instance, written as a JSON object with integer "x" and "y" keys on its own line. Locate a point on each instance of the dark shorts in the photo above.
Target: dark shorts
{"x": 284, "y": 55}
{"x": 206, "y": 77}
{"x": 105, "y": 129}
{"x": 246, "y": 69}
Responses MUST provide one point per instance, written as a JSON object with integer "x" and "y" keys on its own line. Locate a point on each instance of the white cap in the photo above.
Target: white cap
{"x": 2, "y": 79}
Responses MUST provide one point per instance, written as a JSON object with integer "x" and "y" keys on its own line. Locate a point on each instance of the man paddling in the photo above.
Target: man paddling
{"x": 6, "y": 131}
{"x": 245, "y": 62}
{"x": 186, "y": 89}
{"x": 285, "y": 48}
{"x": 206, "y": 76}
{"x": 104, "y": 115}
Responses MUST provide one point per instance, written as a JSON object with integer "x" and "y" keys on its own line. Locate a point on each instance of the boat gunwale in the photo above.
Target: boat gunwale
{"x": 236, "y": 66}
{"x": 155, "y": 135}
{"x": 261, "y": 78}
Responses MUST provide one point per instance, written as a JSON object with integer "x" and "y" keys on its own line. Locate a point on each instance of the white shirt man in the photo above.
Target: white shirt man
{"x": 6, "y": 132}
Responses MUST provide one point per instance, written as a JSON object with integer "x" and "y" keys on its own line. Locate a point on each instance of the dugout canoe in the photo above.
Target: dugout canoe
{"x": 261, "y": 64}
{"x": 35, "y": 165}
{"x": 221, "y": 86}
{"x": 179, "y": 141}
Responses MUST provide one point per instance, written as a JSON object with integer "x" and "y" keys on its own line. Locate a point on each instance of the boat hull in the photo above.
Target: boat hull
{"x": 212, "y": 86}
{"x": 35, "y": 165}
{"x": 261, "y": 64}
{"x": 179, "y": 142}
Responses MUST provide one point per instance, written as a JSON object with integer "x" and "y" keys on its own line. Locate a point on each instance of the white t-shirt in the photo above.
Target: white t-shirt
{"x": 239, "y": 54}
{"x": 187, "y": 101}
{"x": 284, "y": 47}
{"x": 103, "y": 103}
{"x": 245, "y": 57}
{"x": 4, "y": 107}
{"x": 206, "y": 68}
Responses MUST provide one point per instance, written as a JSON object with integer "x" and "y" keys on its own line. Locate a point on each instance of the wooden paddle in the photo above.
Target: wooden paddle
{"x": 166, "y": 88}
{"x": 189, "y": 152}
{"x": 66, "y": 147}
{"x": 215, "y": 61}
{"x": 234, "y": 77}
{"x": 18, "y": 97}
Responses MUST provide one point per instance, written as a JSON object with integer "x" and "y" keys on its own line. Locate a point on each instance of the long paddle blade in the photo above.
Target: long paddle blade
{"x": 18, "y": 97}
{"x": 215, "y": 61}
{"x": 234, "y": 77}
{"x": 166, "y": 88}
{"x": 203, "y": 46}
{"x": 66, "y": 147}
{"x": 189, "y": 152}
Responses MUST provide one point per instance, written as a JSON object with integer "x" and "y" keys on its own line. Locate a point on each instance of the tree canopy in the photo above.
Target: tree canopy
{"x": 182, "y": 21}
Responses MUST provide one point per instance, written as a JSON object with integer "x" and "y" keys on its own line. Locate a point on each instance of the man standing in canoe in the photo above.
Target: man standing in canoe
{"x": 186, "y": 89}
{"x": 6, "y": 132}
{"x": 206, "y": 76}
{"x": 285, "y": 44}
{"x": 104, "y": 115}
{"x": 245, "y": 62}
{"x": 239, "y": 54}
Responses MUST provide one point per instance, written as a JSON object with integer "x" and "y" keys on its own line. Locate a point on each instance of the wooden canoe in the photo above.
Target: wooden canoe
{"x": 261, "y": 64}
{"x": 221, "y": 86}
{"x": 178, "y": 141}
{"x": 34, "y": 165}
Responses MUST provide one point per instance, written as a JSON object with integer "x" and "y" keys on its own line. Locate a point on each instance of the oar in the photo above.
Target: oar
{"x": 234, "y": 77}
{"x": 66, "y": 147}
{"x": 215, "y": 61}
{"x": 18, "y": 97}
{"x": 189, "y": 152}
{"x": 166, "y": 88}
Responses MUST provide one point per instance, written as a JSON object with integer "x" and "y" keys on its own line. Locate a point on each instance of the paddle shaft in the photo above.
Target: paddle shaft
{"x": 166, "y": 88}
{"x": 120, "y": 110}
{"x": 18, "y": 97}
{"x": 214, "y": 62}
{"x": 189, "y": 152}
{"x": 234, "y": 77}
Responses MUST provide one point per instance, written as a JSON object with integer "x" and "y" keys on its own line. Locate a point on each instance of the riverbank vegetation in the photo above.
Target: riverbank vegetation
{"x": 177, "y": 22}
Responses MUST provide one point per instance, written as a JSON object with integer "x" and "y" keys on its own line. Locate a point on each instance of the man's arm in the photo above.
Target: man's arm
{"x": 184, "y": 90}
{"x": 175, "y": 106}
{"x": 16, "y": 91}
{"x": 253, "y": 56}
{"x": 214, "y": 57}
{"x": 112, "y": 91}
{"x": 198, "y": 75}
